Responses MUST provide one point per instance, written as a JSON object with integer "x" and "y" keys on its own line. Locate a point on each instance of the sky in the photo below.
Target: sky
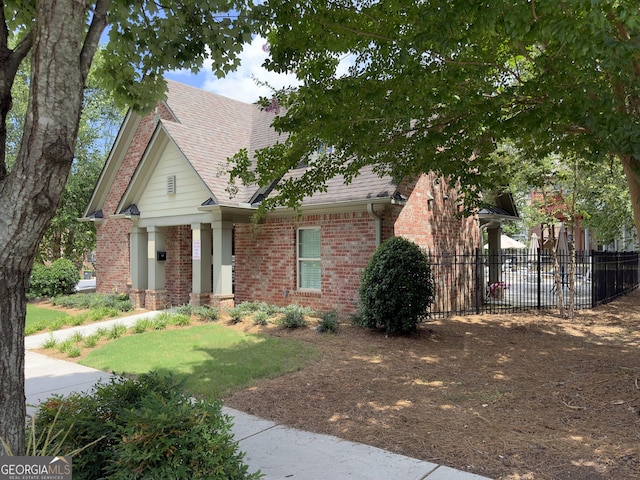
{"x": 243, "y": 84}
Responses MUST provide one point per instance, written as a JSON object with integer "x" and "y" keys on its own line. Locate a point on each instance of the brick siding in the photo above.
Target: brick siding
{"x": 112, "y": 244}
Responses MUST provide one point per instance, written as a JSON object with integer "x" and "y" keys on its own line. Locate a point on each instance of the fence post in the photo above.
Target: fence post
{"x": 479, "y": 276}
{"x": 593, "y": 276}
{"x": 539, "y": 269}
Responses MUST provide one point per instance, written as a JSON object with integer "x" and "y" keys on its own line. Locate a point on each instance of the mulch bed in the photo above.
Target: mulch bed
{"x": 505, "y": 396}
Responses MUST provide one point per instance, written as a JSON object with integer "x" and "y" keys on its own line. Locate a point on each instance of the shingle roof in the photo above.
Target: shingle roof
{"x": 211, "y": 128}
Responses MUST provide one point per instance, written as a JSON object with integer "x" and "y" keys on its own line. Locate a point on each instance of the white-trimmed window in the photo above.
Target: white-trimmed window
{"x": 308, "y": 252}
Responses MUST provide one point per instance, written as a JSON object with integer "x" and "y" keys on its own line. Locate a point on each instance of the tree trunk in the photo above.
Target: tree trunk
{"x": 30, "y": 193}
{"x": 631, "y": 167}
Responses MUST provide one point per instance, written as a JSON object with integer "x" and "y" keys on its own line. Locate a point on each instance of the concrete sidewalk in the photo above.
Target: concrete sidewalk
{"x": 277, "y": 451}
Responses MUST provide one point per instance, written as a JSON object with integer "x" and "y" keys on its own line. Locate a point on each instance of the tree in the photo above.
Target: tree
{"x": 436, "y": 85}
{"x": 144, "y": 40}
{"x": 99, "y": 123}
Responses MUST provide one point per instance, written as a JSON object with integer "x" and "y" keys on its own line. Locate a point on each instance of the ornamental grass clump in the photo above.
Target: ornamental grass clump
{"x": 397, "y": 287}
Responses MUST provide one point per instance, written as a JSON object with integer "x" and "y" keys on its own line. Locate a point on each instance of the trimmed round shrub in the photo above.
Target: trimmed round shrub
{"x": 396, "y": 288}
{"x": 58, "y": 279}
{"x": 144, "y": 428}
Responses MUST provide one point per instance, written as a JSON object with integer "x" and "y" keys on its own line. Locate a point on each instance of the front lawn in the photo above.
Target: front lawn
{"x": 215, "y": 359}
{"x": 39, "y": 318}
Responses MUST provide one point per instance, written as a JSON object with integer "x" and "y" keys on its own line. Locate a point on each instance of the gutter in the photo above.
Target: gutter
{"x": 378, "y": 220}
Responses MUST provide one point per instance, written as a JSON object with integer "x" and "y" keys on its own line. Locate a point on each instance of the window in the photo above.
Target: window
{"x": 309, "y": 269}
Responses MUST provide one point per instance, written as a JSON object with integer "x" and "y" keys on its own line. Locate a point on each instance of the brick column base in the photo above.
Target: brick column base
{"x": 155, "y": 299}
{"x": 199, "y": 299}
{"x": 137, "y": 297}
{"x": 222, "y": 301}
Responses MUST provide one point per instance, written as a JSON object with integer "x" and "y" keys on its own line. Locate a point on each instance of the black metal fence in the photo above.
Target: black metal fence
{"x": 515, "y": 280}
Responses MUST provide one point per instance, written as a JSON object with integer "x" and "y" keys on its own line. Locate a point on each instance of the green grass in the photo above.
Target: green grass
{"x": 98, "y": 307}
{"x": 39, "y": 318}
{"x": 214, "y": 360}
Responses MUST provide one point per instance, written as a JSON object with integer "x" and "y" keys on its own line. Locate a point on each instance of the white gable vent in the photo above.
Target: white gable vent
{"x": 171, "y": 185}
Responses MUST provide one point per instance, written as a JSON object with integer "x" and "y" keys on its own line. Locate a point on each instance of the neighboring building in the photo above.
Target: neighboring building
{"x": 169, "y": 232}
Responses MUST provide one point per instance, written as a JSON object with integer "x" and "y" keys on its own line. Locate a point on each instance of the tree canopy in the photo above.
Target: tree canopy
{"x": 436, "y": 85}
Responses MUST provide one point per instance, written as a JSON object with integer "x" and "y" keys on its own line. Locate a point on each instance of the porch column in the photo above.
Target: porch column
{"x": 495, "y": 254}
{"x": 156, "y": 295}
{"x": 222, "y": 264}
{"x": 138, "y": 266}
{"x": 201, "y": 264}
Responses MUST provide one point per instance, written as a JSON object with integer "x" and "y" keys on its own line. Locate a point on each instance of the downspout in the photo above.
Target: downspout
{"x": 378, "y": 220}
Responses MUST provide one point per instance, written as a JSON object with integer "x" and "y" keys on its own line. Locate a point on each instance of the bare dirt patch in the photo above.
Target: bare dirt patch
{"x": 505, "y": 396}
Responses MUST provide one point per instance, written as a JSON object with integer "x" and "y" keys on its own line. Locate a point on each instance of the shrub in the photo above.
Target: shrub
{"x": 60, "y": 278}
{"x": 66, "y": 345}
{"x": 77, "y": 336}
{"x": 207, "y": 314}
{"x": 396, "y": 287}
{"x": 294, "y": 316}
{"x": 73, "y": 351}
{"x": 118, "y": 302}
{"x": 50, "y": 342}
{"x": 161, "y": 321}
{"x": 145, "y": 428}
{"x": 91, "y": 341}
{"x": 236, "y": 314}
{"x": 77, "y": 320}
{"x": 260, "y": 317}
{"x": 180, "y": 319}
{"x": 142, "y": 325}
{"x": 186, "y": 309}
{"x": 116, "y": 331}
{"x": 328, "y": 322}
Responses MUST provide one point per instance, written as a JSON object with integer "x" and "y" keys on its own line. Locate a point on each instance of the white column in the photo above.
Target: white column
{"x": 156, "y": 271}
{"x": 138, "y": 258}
{"x": 222, "y": 258}
{"x": 201, "y": 258}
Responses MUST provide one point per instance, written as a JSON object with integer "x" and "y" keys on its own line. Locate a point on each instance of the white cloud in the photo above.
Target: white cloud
{"x": 241, "y": 84}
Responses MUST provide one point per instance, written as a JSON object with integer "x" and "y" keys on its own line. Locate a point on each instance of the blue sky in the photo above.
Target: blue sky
{"x": 241, "y": 84}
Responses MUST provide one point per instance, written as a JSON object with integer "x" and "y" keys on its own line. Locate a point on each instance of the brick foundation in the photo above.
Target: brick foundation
{"x": 222, "y": 301}
{"x": 199, "y": 299}
{"x": 138, "y": 298}
{"x": 156, "y": 300}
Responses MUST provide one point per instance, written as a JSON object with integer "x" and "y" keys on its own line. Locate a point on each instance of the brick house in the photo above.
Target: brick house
{"x": 169, "y": 232}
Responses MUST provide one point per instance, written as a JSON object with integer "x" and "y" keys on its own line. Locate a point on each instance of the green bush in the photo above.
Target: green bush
{"x": 236, "y": 314}
{"x": 396, "y": 288}
{"x": 60, "y": 278}
{"x": 119, "y": 302}
{"x": 186, "y": 309}
{"x": 142, "y": 325}
{"x": 207, "y": 313}
{"x": 148, "y": 428}
{"x": 180, "y": 320}
{"x": 260, "y": 317}
{"x": 116, "y": 331}
{"x": 294, "y": 316}
{"x": 328, "y": 322}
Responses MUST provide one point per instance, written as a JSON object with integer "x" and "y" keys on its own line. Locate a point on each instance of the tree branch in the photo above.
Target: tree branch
{"x": 92, "y": 40}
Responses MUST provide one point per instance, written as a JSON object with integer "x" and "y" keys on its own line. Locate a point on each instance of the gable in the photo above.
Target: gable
{"x": 149, "y": 187}
{"x": 190, "y": 191}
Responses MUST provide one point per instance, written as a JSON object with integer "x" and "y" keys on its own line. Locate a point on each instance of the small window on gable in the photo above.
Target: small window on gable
{"x": 171, "y": 185}
{"x": 308, "y": 253}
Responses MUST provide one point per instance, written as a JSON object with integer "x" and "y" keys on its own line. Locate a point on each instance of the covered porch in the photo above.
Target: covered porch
{"x": 175, "y": 260}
